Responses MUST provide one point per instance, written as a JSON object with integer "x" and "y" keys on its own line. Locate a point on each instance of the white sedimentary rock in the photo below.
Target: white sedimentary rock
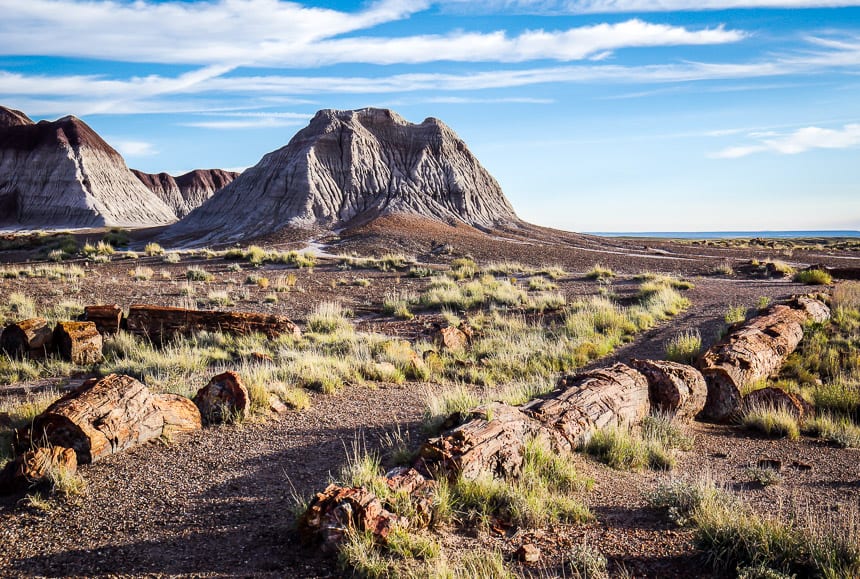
{"x": 187, "y": 192}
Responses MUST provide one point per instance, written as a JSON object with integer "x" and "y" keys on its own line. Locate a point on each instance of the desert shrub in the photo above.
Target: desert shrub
{"x": 541, "y": 284}
{"x": 285, "y": 283}
{"x": 420, "y": 271}
{"x": 198, "y": 274}
{"x": 622, "y": 449}
{"x": 586, "y": 562}
{"x": 172, "y": 257}
{"x": 464, "y": 268}
{"x": 219, "y": 298}
{"x": 152, "y": 249}
{"x": 839, "y": 430}
{"x": 813, "y": 277}
{"x": 763, "y": 476}
{"x": 762, "y": 303}
{"x": 684, "y": 347}
{"x": 735, "y": 314}
{"x": 270, "y": 298}
{"x": 397, "y": 304}
{"x": 724, "y": 268}
{"x": 439, "y": 404}
{"x": 116, "y": 237}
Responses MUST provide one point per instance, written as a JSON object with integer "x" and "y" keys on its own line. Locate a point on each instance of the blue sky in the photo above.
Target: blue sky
{"x": 594, "y": 115}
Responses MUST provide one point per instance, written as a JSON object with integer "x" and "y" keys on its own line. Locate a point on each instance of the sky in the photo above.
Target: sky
{"x": 593, "y": 115}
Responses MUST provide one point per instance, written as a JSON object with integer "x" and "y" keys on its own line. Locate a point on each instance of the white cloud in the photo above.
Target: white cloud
{"x": 799, "y": 141}
{"x": 133, "y": 148}
{"x": 233, "y": 31}
{"x": 285, "y": 34}
{"x": 622, "y": 6}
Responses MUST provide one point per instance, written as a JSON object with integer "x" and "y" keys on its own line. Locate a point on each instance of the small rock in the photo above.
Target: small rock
{"x": 276, "y": 406}
{"x": 528, "y": 553}
{"x": 453, "y": 339}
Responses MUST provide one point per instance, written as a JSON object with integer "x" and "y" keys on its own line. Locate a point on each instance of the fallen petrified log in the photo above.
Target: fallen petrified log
{"x": 78, "y": 342}
{"x": 159, "y": 323}
{"x": 675, "y": 388}
{"x": 778, "y": 398}
{"x": 753, "y": 351}
{"x": 106, "y": 416}
{"x": 223, "y": 398}
{"x": 36, "y": 467}
{"x": 28, "y": 337}
{"x": 107, "y": 318}
{"x": 493, "y": 439}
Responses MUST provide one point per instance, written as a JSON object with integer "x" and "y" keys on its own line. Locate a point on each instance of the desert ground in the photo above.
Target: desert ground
{"x": 221, "y": 502}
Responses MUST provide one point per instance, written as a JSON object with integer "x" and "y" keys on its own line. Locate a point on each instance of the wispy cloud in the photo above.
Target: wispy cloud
{"x": 134, "y": 148}
{"x": 287, "y": 35}
{"x": 627, "y": 6}
{"x": 799, "y": 141}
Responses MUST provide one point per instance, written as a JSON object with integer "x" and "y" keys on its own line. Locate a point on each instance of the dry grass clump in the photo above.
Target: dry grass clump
{"x": 735, "y": 314}
{"x": 600, "y": 272}
{"x": 141, "y": 273}
{"x": 837, "y": 429}
{"x": 198, "y": 274}
{"x": 397, "y": 303}
{"x": 538, "y": 283}
{"x": 622, "y": 448}
{"x": 52, "y": 272}
{"x": 684, "y": 346}
{"x": 153, "y": 249}
{"x": 772, "y": 421}
{"x": 813, "y": 277}
{"x": 329, "y": 318}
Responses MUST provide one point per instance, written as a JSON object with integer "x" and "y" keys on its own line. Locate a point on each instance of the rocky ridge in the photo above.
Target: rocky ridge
{"x": 63, "y": 174}
{"x": 186, "y": 192}
{"x": 348, "y": 167}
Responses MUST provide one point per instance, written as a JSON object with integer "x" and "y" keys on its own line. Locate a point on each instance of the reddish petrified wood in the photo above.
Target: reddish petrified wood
{"x": 223, "y": 398}
{"x": 453, "y": 339}
{"x": 778, "y": 398}
{"x": 28, "y": 337}
{"x": 107, "y": 318}
{"x": 78, "y": 342}
{"x": 336, "y": 510}
{"x": 106, "y": 416}
{"x": 35, "y": 467}
{"x": 675, "y": 388}
{"x": 161, "y": 322}
{"x": 754, "y": 351}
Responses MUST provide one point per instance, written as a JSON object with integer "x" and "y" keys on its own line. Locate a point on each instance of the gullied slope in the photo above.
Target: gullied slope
{"x": 352, "y": 166}
{"x": 62, "y": 173}
{"x": 187, "y": 192}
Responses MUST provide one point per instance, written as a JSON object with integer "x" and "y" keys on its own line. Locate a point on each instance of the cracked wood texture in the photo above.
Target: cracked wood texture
{"x": 103, "y": 417}
{"x": 159, "y": 323}
{"x": 78, "y": 342}
{"x": 36, "y": 466}
{"x": 27, "y": 337}
{"x": 754, "y": 351}
{"x": 678, "y": 389}
{"x": 494, "y": 439}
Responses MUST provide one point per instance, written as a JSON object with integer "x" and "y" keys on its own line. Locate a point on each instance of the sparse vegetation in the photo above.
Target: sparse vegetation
{"x": 813, "y": 277}
{"x": 153, "y": 249}
{"x": 735, "y": 314}
{"x": 600, "y": 272}
{"x": 684, "y": 347}
{"x": 773, "y": 421}
{"x": 198, "y": 274}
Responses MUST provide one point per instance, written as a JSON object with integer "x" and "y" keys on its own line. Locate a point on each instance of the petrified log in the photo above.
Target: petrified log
{"x": 78, "y": 342}
{"x": 32, "y": 336}
{"x": 222, "y": 398}
{"x": 491, "y": 442}
{"x": 180, "y": 414}
{"x": 754, "y": 351}
{"x": 107, "y": 318}
{"x": 336, "y": 510}
{"x": 494, "y": 439}
{"x": 159, "y": 323}
{"x": 778, "y": 398}
{"x": 35, "y": 467}
{"x": 676, "y": 388}
{"x": 103, "y": 417}
{"x": 590, "y": 401}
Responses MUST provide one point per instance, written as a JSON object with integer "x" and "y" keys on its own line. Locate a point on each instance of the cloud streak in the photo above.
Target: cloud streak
{"x": 634, "y": 6}
{"x": 799, "y": 141}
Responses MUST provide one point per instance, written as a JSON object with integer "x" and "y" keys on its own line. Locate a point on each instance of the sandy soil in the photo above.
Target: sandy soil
{"x": 218, "y": 503}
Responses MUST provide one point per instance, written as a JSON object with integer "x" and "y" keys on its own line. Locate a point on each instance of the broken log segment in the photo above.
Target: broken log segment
{"x": 78, "y": 342}
{"x": 28, "y": 337}
{"x": 107, "y": 318}
{"x": 675, "y": 388}
{"x": 106, "y": 416}
{"x": 754, "y": 351}
{"x": 223, "y": 398}
{"x": 613, "y": 396}
{"x": 36, "y": 467}
{"x": 180, "y": 414}
{"x": 160, "y": 323}
{"x": 494, "y": 440}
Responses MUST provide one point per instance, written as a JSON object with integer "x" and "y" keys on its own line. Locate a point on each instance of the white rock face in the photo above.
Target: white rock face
{"x": 187, "y": 192}
{"x": 62, "y": 174}
{"x": 349, "y": 166}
